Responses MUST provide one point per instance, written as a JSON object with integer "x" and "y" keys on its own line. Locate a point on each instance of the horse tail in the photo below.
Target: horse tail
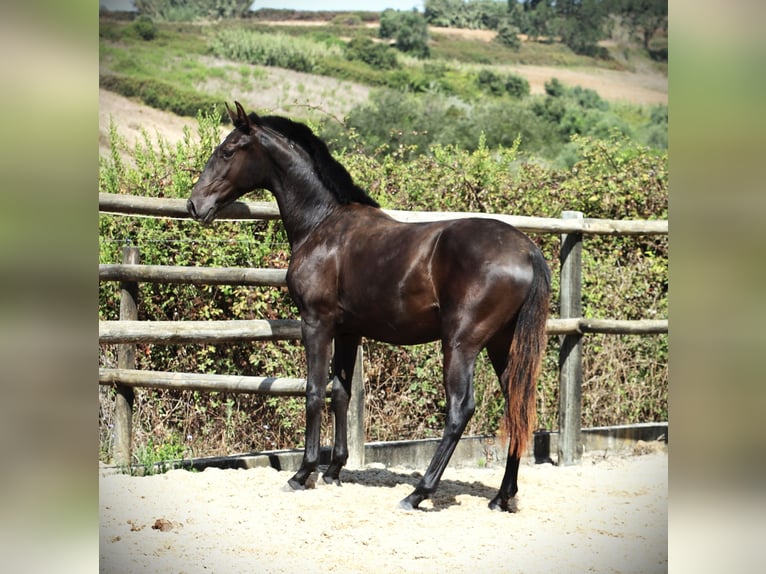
{"x": 525, "y": 358}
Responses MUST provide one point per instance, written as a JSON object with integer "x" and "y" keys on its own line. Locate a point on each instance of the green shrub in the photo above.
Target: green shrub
{"x": 508, "y": 35}
{"x": 497, "y": 85}
{"x": 555, "y": 88}
{"x": 379, "y": 56}
{"x": 144, "y": 27}
{"x": 408, "y": 28}
{"x": 516, "y": 86}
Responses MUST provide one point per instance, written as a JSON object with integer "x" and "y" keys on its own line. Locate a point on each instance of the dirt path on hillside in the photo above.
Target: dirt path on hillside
{"x": 131, "y": 118}
{"x": 608, "y": 515}
{"x": 633, "y": 87}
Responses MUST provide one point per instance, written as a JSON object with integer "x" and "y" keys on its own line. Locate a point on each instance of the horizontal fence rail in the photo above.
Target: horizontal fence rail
{"x": 128, "y": 331}
{"x": 283, "y": 386}
{"x": 193, "y": 275}
{"x": 211, "y": 332}
{"x": 183, "y": 332}
{"x": 245, "y": 210}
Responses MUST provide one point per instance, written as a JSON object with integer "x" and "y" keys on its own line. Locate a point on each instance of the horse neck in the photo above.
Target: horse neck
{"x": 303, "y": 202}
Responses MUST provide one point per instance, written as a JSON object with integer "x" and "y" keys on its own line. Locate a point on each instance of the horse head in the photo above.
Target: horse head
{"x": 238, "y": 165}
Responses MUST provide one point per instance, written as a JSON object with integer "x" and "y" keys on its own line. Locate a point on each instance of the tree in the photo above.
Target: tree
{"x": 409, "y": 30}
{"x": 581, "y": 24}
{"x": 645, "y": 17}
{"x": 508, "y": 35}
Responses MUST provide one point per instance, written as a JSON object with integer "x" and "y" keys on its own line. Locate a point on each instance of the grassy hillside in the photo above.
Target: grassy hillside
{"x": 337, "y": 74}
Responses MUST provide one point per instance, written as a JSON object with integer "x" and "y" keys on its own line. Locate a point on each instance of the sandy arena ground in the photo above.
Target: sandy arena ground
{"x": 608, "y": 515}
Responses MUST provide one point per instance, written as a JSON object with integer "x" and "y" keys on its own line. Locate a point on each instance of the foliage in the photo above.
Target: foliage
{"x": 645, "y": 17}
{"x": 623, "y": 278}
{"x": 476, "y": 14}
{"x": 158, "y": 94}
{"x": 409, "y": 29}
{"x": 378, "y": 56}
{"x": 544, "y": 124}
{"x": 579, "y": 24}
{"x": 497, "y": 85}
{"x": 184, "y": 10}
{"x": 144, "y": 27}
{"x": 437, "y": 138}
{"x": 300, "y": 54}
{"x": 508, "y": 35}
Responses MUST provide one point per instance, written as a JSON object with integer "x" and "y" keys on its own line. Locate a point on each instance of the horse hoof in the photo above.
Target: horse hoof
{"x": 293, "y": 485}
{"x": 331, "y": 480}
{"x": 502, "y": 505}
{"x": 412, "y": 502}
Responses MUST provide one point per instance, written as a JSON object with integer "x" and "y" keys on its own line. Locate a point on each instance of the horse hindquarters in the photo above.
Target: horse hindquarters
{"x": 518, "y": 368}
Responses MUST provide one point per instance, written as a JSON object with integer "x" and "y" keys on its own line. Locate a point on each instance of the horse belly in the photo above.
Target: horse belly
{"x": 396, "y": 319}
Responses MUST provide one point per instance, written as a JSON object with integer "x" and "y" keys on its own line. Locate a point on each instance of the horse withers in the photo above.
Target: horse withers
{"x": 356, "y": 272}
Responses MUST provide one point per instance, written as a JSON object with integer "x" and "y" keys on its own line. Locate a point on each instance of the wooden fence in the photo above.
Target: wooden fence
{"x": 128, "y": 331}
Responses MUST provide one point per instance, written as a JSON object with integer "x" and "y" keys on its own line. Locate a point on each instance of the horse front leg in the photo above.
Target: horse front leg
{"x": 318, "y": 345}
{"x": 344, "y": 363}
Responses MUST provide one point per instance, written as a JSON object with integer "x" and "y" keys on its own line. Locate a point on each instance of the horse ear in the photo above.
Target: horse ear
{"x": 241, "y": 120}
{"x": 232, "y": 117}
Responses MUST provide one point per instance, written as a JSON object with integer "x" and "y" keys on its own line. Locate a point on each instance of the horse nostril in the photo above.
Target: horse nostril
{"x": 191, "y": 209}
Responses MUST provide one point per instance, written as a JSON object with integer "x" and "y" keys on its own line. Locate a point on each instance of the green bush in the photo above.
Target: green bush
{"x": 516, "y": 86}
{"x": 508, "y": 35}
{"x": 408, "y": 28}
{"x": 144, "y": 27}
{"x": 378, "y": 56}
{"x": 497, "y": 84}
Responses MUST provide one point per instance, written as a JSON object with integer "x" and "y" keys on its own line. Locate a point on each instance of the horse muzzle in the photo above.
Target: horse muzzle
{"x": 191, "y": 209}
{"x": 201, "y": 214}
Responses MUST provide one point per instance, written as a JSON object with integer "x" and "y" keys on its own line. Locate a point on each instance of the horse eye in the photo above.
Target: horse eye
{"x": 227, "y": 153}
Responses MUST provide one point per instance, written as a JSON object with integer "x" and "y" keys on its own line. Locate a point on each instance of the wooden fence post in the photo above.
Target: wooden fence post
{"x": 356, "y": 415}
{"x": 126, "y": 359}
{"x": 570, "y": 445}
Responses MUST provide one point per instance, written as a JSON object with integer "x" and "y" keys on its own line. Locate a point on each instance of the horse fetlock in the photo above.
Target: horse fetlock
{"x": 502, "y": 504}
{"x": 330, "y": 479}
{"x": 293, "y": 484}
{"x": 413, "y": 500}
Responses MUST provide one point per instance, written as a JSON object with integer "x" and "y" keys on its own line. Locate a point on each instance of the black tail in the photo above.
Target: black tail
{"x": 525, "y": 358}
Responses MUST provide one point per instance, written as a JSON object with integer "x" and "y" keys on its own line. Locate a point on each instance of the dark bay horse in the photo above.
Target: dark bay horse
{"x": 355, "y": 272}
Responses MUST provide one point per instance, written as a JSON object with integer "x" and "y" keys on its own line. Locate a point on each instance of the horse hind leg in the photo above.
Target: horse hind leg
{"x": 498, "y": 351}
{"x": 458, "y": 382}
{"x": 344, "y": 363}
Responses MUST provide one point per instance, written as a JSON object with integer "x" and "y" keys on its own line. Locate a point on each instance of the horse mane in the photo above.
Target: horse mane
{"x": 331, "y": 173}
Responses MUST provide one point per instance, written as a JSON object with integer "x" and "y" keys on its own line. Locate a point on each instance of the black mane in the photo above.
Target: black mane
{"x": 331, "y": 173}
